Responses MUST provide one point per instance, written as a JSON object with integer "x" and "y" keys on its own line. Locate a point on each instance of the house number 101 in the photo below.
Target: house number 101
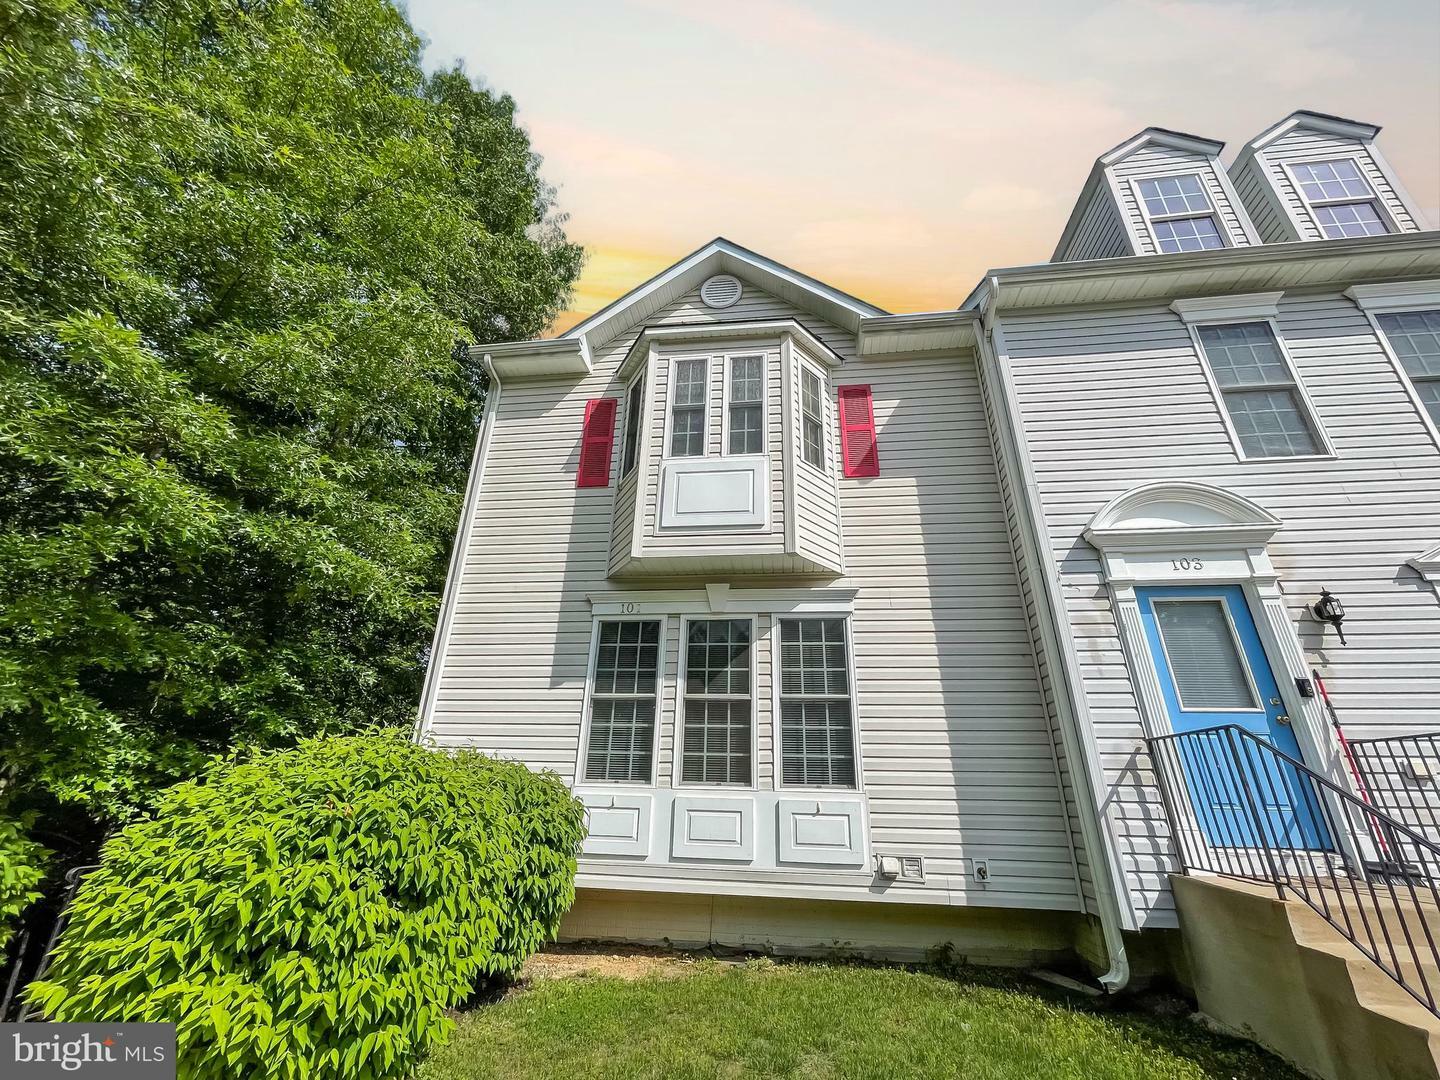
{"x": 628, "y": 609}
{"x": 1186, "y": 564}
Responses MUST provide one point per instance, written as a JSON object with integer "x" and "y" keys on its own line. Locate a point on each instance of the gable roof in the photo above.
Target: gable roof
{"x": 1175, "y": 140}
{"x": 721, "y": 256}
{"x": 571, "y": 352}
{"x": 1316, "y": 121}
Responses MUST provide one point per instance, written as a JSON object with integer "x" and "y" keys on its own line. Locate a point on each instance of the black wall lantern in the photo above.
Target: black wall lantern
{"x": 1329, "y": 609}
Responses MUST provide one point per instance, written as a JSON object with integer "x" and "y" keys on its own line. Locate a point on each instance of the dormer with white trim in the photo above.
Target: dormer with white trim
{"x": 1319, "y": 177}
{"x": 1160, "y": 192}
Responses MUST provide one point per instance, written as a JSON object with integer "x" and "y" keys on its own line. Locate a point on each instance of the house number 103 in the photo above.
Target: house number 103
{"x": 1186, "y": 564}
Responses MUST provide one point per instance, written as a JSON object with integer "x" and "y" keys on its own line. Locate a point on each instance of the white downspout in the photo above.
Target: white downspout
{"x": 1086, "y": 770}
{"x": 457, "y": 555}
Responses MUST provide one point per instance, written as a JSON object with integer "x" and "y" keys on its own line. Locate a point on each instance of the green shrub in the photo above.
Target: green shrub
{"x": 22, "y": 869}
{"x": 314, "y": 912}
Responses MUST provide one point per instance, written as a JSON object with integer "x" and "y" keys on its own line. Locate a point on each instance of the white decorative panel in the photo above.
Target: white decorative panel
{"x": 824, "y": 831}
{"x": 618, "y": 823}
{"x": 704, "y": 827}
{"x": 719, "y": 491}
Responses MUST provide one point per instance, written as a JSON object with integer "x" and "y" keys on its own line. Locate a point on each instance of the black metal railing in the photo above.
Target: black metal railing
{"x": 1400, "y": 776}
{"x": 1241, "y": 808}
{"x": 25, "y": 963}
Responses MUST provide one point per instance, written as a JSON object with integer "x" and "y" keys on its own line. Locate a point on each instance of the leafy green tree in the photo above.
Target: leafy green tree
{"x": 238, "y": 239}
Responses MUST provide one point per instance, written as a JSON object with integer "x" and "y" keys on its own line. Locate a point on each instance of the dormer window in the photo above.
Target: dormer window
{"x": 687, "y": 408}
{"x": 1180, "y": 213}
{"x": 1341, "y": 198}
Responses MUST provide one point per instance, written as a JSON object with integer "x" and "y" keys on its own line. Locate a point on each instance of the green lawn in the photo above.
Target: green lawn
{"x": 809, "y": 1020}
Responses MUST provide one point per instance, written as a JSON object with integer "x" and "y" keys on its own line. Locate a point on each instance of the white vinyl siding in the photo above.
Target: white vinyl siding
{"x": 624, "y": 702}
{"x": 1415, "y": 338}
{"x": 717, "y": 714}
{"x": 1258, "y": 391}
{"x": 1100, "y": 233}
{"x": 817, "y": 720}
{"x": 1113, "y": 398}
{"x": 957, "y": 762}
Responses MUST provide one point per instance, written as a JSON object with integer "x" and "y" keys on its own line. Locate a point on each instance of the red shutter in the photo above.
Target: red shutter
{"x": 858, "y": 447}
{"x": 597, "y": 442}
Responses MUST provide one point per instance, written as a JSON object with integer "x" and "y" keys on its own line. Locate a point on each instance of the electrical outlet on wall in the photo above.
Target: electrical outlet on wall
{"x": 980, "y": 871}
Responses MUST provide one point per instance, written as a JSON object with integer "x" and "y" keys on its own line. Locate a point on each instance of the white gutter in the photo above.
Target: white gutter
{"x": 451, "y": 599}
{"x": 1076, "y": 730}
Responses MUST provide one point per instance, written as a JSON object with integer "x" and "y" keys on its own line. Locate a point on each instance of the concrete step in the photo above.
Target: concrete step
{"x": 1276, "y": 971}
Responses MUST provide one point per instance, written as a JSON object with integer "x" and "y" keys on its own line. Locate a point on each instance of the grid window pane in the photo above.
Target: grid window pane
{"x": 817, "y": 738}
{"x": 632, "y": 427}
{"x": 1350, "y": 219}
{"x": 622, "y": 741}
{"x": 747, "y": 409}
{"x": 716, "y": 740}
{"x": 1174, "y": 195}
{"x": 687, "y": 432}
{"x": 1415, "y": 337}
{"x": 812, "y": 424}
{"x": 1244, "y": 354}
{"x": 687, "y": 420}
{"x": 817, "y": 744}
{"x": 622, "y": 702}
{"x": 1270, "y": 423}
{"x": 1430, "y": 398}
{"x": 1187, "y": 234}
{"x": 1322, "y": 180}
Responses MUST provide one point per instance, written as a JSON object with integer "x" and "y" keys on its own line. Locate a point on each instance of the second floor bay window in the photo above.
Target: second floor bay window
{"x": 1259, "y": 391}
{"x": 812, "y": 418}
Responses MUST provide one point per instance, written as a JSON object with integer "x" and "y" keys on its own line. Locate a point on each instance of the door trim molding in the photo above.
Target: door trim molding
{"x": 1192, "y": 534}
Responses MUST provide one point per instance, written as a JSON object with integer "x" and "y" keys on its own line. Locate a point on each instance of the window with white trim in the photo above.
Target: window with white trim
{"x": 1259, "y": 391}
{"x": 1341, "y": 199}
{"x": 716, "y": 723}
{"x": 1415, "y": 338}
{"x": 624, "y": 692}
{"x": 812, "y": 417}
{"x": 745, "y": 405}
{"x": 1180, "y": 213}
{"x": 634, "y": 400}
{"x": 687, "y": 407}
{"x": 817, "y": 727}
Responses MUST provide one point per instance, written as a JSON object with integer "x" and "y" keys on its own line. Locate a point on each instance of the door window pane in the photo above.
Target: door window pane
{"x": 1203, "y": 654}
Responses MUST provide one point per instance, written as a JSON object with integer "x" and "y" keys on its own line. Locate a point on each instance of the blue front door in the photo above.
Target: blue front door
{"x": 1213, "y": 672}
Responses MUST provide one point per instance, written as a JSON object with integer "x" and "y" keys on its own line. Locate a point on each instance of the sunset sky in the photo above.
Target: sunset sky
{"x": 898, "y": 150}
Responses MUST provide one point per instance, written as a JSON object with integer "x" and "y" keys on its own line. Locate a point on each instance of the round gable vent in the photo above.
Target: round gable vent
{"x": 722, "y": 290}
